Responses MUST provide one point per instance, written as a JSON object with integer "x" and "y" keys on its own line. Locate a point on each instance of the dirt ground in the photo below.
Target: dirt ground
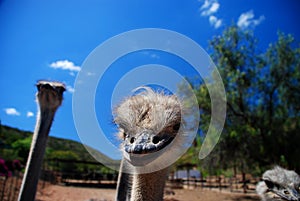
{"x": 63, "y": 193}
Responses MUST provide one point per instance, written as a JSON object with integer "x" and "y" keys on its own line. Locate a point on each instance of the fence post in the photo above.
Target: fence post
{"x": 244, "y": 182}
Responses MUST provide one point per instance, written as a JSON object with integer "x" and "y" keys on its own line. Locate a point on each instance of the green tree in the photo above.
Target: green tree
{"x": 22, "y": 147}
{"x": 65, "y": 155}
{"x": 262, "y": 89}
{"x": 280, "y": 97}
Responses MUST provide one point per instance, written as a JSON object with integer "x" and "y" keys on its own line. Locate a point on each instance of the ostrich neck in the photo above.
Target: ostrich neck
{"x": 150, "y": 186}
{"x": 44, "y": 122}
{"x": 124, "y": 182}
{"x": 35, "y": 158}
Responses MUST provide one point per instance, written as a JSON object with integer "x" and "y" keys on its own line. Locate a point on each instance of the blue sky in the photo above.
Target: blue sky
{"x": 51, "y": 40}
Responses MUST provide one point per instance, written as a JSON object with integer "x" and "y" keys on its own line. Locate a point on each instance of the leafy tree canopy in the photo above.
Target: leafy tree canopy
{"x": 263, "y": 108}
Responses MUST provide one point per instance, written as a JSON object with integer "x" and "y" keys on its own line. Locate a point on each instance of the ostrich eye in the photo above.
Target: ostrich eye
{"x": 155, "y": 140}
{"x": 60, "y": 89}
{"x": 176, "y": 127}
{"x": 125, "y": 135}
{"x": 286, "y": 192}
{"x": 38, "y": 86}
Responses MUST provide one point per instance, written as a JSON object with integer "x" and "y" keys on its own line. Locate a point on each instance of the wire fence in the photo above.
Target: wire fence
{"x": 236, "y": 184}
{"x": 10, "y": 183}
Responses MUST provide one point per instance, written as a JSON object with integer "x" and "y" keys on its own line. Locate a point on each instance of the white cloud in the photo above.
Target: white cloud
{"x": 154, "y": 56}
{"x": 247, "y": 19}
{"x": 150, "y": 54}
{"x": 70, "y": 89}
{"x": 12, "y": 111}
{"x": 209, "y": 7}
{"x": 215, "y": 22}
{"x": 29, "y": 114}
{"x": 90, "y": 74}
{"x": 65, "y": 65}
{"x": 205, "y": 5}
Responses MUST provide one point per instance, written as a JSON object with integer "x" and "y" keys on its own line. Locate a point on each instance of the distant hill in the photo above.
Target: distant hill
{"x": 12, "y": 137}
{"x": 9, "y": 136}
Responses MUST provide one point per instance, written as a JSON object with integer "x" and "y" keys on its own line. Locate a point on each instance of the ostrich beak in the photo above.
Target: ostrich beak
{"x": 146, "y": 142}
{"x": 287, "y": 193}
{"x": 290, "y": 194}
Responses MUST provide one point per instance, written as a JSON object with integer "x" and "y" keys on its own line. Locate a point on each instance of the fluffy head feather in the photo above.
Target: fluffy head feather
{"x": 148, "y": 110}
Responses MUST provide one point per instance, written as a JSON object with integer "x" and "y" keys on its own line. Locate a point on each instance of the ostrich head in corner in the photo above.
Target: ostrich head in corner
{"x": 50, "y": 94}
{"x": 148, "y": 122}
{"x": 279, "y": 184}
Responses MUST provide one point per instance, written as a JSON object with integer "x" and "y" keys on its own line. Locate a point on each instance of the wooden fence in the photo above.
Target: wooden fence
{"x": 10, "y": 185}
{"x": 232, "y": 184}
{"x": 10, "y": 181}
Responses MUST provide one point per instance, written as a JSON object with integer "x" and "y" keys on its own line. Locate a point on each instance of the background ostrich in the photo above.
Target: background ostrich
{"x": 279, "y": 184}
{"x": 147, "y": 122}
{"x": 49, "y": 98}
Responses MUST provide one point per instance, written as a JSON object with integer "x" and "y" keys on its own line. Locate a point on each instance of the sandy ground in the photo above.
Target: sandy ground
{"x": 63, "y": 193}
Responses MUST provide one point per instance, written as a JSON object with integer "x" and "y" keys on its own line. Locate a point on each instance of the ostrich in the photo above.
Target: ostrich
{"x": 49, "y": 98}
{"x": 148, "y": 122}
{"x": 279, "y": 184}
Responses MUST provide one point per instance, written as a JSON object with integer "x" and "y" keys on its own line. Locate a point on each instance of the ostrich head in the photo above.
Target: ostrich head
{"x": 279, "y": 184}
{"x": 50, "y": 94}
{"x": 147, "y": 122}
